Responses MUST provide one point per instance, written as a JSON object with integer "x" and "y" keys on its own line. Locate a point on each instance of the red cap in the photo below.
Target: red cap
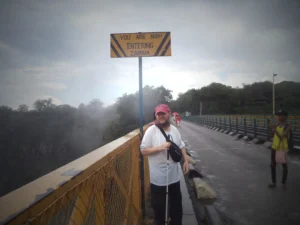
{"x": 162, "y": 108}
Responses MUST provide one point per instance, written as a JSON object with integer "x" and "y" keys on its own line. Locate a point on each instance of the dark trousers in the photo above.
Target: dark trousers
{"x": 273, "y": 168}
{"x": 158, "y": 201}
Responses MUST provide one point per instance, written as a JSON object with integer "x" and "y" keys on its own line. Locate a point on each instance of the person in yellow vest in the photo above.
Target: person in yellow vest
{"x": 280, "y": 143}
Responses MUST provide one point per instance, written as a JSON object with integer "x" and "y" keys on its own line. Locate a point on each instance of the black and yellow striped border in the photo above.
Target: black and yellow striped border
{"x": 161, "y": 50}
{"x": 117, "y": 44}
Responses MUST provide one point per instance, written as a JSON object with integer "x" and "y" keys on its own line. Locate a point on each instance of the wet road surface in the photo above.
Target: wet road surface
{"x": 239, "y": 172}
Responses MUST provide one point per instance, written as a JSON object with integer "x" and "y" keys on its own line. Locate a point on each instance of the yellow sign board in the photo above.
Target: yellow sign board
{"x": 140, "y": 44}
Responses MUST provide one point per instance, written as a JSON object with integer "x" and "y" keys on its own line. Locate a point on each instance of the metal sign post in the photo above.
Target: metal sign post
{"x": 141, "y": 94}
{"x": 142, "y": 134}
{"x": 152, "y": 44}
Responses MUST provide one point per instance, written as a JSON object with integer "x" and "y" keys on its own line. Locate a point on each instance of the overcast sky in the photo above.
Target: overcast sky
{"x": 61, "y": 48}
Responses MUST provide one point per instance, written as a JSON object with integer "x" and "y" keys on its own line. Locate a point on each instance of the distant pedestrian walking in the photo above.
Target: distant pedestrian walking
{"x": 177, "y": 120}
{"x": 280, "y": 148}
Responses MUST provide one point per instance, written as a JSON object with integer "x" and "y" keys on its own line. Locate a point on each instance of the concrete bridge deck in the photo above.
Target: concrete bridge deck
{"x": 239, "y": 172}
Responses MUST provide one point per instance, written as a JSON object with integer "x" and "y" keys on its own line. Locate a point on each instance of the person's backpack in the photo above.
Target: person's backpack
{"x": 174, "y": 150}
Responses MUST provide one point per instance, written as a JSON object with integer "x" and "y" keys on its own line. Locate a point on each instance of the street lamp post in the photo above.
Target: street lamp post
{"x": 274, "y": 75}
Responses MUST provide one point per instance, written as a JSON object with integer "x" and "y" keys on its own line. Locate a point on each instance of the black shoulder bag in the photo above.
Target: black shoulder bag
{"x": 174, "y": 150}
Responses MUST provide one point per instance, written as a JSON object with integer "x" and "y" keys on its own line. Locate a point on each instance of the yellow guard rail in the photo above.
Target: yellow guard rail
{"x": 100, "y": 188}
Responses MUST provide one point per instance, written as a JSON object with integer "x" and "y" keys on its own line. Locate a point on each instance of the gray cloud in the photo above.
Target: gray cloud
{"x": 61, "y": 48}
{"x": 35, "y": 29}
{"x": 53, "y": 85}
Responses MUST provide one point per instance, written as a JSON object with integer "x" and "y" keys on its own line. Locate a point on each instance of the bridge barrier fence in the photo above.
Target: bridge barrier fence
{"x": 100, "y": 188}
{"x": 253, "y": 126}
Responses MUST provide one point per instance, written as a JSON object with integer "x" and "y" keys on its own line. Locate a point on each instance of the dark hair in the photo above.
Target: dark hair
{"x": 154, "y": 117}
{"x": 282, "y": 112}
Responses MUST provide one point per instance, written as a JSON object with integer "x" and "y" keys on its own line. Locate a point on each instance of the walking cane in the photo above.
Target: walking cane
{"x": 167, "y": 191}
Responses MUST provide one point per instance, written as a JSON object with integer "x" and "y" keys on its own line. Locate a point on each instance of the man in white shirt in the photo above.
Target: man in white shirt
{"x": 155, "y": 146}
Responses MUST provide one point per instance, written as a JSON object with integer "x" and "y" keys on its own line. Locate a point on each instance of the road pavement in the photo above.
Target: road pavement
{"x": 240, "y": 173}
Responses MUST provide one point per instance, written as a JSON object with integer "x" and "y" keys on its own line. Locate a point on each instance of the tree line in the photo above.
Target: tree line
{"x": 256, "y": 98}
{"x": 37, "y": 141}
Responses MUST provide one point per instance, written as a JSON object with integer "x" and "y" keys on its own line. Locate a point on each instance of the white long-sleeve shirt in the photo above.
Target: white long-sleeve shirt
{"x": 158, "y": 161}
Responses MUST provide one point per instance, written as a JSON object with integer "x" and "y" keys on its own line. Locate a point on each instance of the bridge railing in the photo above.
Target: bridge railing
{"x": 100, "y": 188}
{"x": 254, "y": 126}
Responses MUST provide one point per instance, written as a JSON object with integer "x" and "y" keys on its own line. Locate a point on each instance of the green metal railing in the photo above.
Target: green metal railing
{"x": 253, "y": 126}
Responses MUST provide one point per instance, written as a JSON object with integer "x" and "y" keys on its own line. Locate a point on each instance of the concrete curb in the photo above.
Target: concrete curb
{"x": 188, "y": 214}
{"x": 203, "y": 190}
{"x": 267, "y": 144}
{"x": 240, "y": 136}
{"x": 194, "y": 172}
{"x": 232, "y": 133}
{"x": 192, "y": 161}
{"x": 257, "y": 141}
{"x": 212, "y": 217}
{"x": 246, "y": 138}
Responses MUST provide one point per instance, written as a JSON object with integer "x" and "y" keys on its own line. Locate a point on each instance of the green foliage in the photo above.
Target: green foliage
{"x": 23, "y": 108}
{"x": 35, "y": 142}
{"x": 127, "y": 108}
{"x": 253, "y": 98}
{"x": 42, "y": 105}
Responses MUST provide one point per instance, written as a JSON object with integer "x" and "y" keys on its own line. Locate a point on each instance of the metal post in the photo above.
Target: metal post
{"x": 274, "y": 75}
{"x": 141, "y": 93}
{"x": 220, "y": 123}
{"x": 142, "y": 134}
{"x": 268, "y": 129}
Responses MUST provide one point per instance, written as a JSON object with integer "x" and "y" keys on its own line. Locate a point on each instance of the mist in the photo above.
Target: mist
{"x": 37, "y": 141}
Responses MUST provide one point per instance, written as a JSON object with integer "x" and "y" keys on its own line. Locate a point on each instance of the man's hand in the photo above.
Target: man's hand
{"x": 165, "y": 146}
{"x": 186, "y": 167}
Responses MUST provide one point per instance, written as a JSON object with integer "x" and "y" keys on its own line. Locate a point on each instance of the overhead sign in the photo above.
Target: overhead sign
{"x": 140, "y": 44}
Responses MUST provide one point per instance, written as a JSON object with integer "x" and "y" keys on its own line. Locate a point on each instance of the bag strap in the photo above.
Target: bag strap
{"x": 163, "y": 132}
